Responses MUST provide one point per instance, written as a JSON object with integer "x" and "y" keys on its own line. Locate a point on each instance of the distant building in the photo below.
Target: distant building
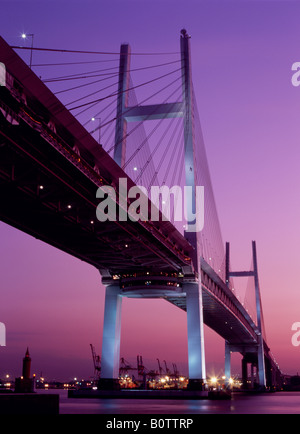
{"x": 25, "y": 384}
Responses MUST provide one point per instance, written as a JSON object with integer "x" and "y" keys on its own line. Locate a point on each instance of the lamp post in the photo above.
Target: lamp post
{"x": 24, "y": 36}
{"x": 99, "y": 128}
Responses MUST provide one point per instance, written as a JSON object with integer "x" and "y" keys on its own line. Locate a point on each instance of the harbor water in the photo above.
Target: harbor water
{"x": 269, "y": 403}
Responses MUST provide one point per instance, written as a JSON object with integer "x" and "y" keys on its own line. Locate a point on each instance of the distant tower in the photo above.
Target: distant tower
{"x": 25, "y": 384}
{"x": 26, "y": 365}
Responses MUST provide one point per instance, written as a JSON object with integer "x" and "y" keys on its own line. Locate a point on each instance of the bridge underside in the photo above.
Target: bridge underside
{"x": 220, "y": 319}
{"x": 44, "y": 196}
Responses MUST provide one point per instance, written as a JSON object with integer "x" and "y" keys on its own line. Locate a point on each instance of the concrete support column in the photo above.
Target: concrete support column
{"x": 196, "y": 354}
{"x": 110, "y": 359}
{"x": 245, "y": 373}
{"x": 252, "y": 375}
{"x": 261, "y": 363}
{"x": 227, "y": 363}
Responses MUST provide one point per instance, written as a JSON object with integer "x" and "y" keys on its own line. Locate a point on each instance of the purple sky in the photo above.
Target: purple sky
{"x": 242, "y": 53}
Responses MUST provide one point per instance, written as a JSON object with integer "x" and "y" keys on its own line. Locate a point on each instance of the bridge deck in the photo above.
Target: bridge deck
{"x": 32, "y": 154}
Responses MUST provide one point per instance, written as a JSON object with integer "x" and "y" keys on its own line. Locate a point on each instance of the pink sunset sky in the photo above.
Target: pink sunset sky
{"x": 242, "y": 54}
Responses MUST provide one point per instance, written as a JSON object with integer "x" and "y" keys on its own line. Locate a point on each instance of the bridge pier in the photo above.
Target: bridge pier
{"x": 196, "y": 353}
{"x": 255, "y": 379}
{"x": 253, "y": 366}
{"x": 245, "y": 373}
{"x": 251, "y": 356}
{"x": 110, "y": 359}
{"x": 227, "y": 363}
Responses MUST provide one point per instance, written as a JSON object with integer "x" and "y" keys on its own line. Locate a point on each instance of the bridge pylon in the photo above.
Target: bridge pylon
{"x": 191, "y": 289}
{"x": 194, "y": 297}
{"x": 253, "y": 354}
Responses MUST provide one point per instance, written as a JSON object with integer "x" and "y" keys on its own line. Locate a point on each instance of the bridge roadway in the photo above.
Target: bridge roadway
{"x": 50, "y": 170}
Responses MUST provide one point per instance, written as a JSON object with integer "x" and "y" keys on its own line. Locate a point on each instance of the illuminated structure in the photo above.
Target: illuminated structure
{"x": 44, "y": 148}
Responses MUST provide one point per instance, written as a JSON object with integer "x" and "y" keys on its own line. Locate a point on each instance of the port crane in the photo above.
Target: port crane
{"x": 167, "y": 370}
{"x": 96, "y": 362}
{"x": 125, "y": 367}
{"x": 159, "y": 367}
{"x": 176, "y": 372}
{"x": 140, "y": 366}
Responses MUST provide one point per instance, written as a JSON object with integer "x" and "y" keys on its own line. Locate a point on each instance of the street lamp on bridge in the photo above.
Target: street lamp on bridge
{"x": 97, "y": 128}
{"x": 25, "y": 36}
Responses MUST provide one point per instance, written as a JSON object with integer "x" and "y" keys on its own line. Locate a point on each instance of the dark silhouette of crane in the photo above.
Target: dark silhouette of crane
{"x": 166, "y": 368}
{"x": 175, "y": 370}
{"x": 140, "y": 366}
{"x": 159, "y": 367}
{"x": 96, "y": 362}
{"x": 125, "y": 367}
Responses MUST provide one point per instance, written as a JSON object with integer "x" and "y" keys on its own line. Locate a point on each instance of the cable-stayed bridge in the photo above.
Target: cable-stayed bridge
{"x": 88, "y": 194}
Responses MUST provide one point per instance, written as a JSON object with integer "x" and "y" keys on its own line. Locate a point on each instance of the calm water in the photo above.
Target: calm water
{"x": 274, "y": 403}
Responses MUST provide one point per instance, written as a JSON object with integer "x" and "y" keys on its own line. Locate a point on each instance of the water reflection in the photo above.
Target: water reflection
{"x": 274, "y": 403}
